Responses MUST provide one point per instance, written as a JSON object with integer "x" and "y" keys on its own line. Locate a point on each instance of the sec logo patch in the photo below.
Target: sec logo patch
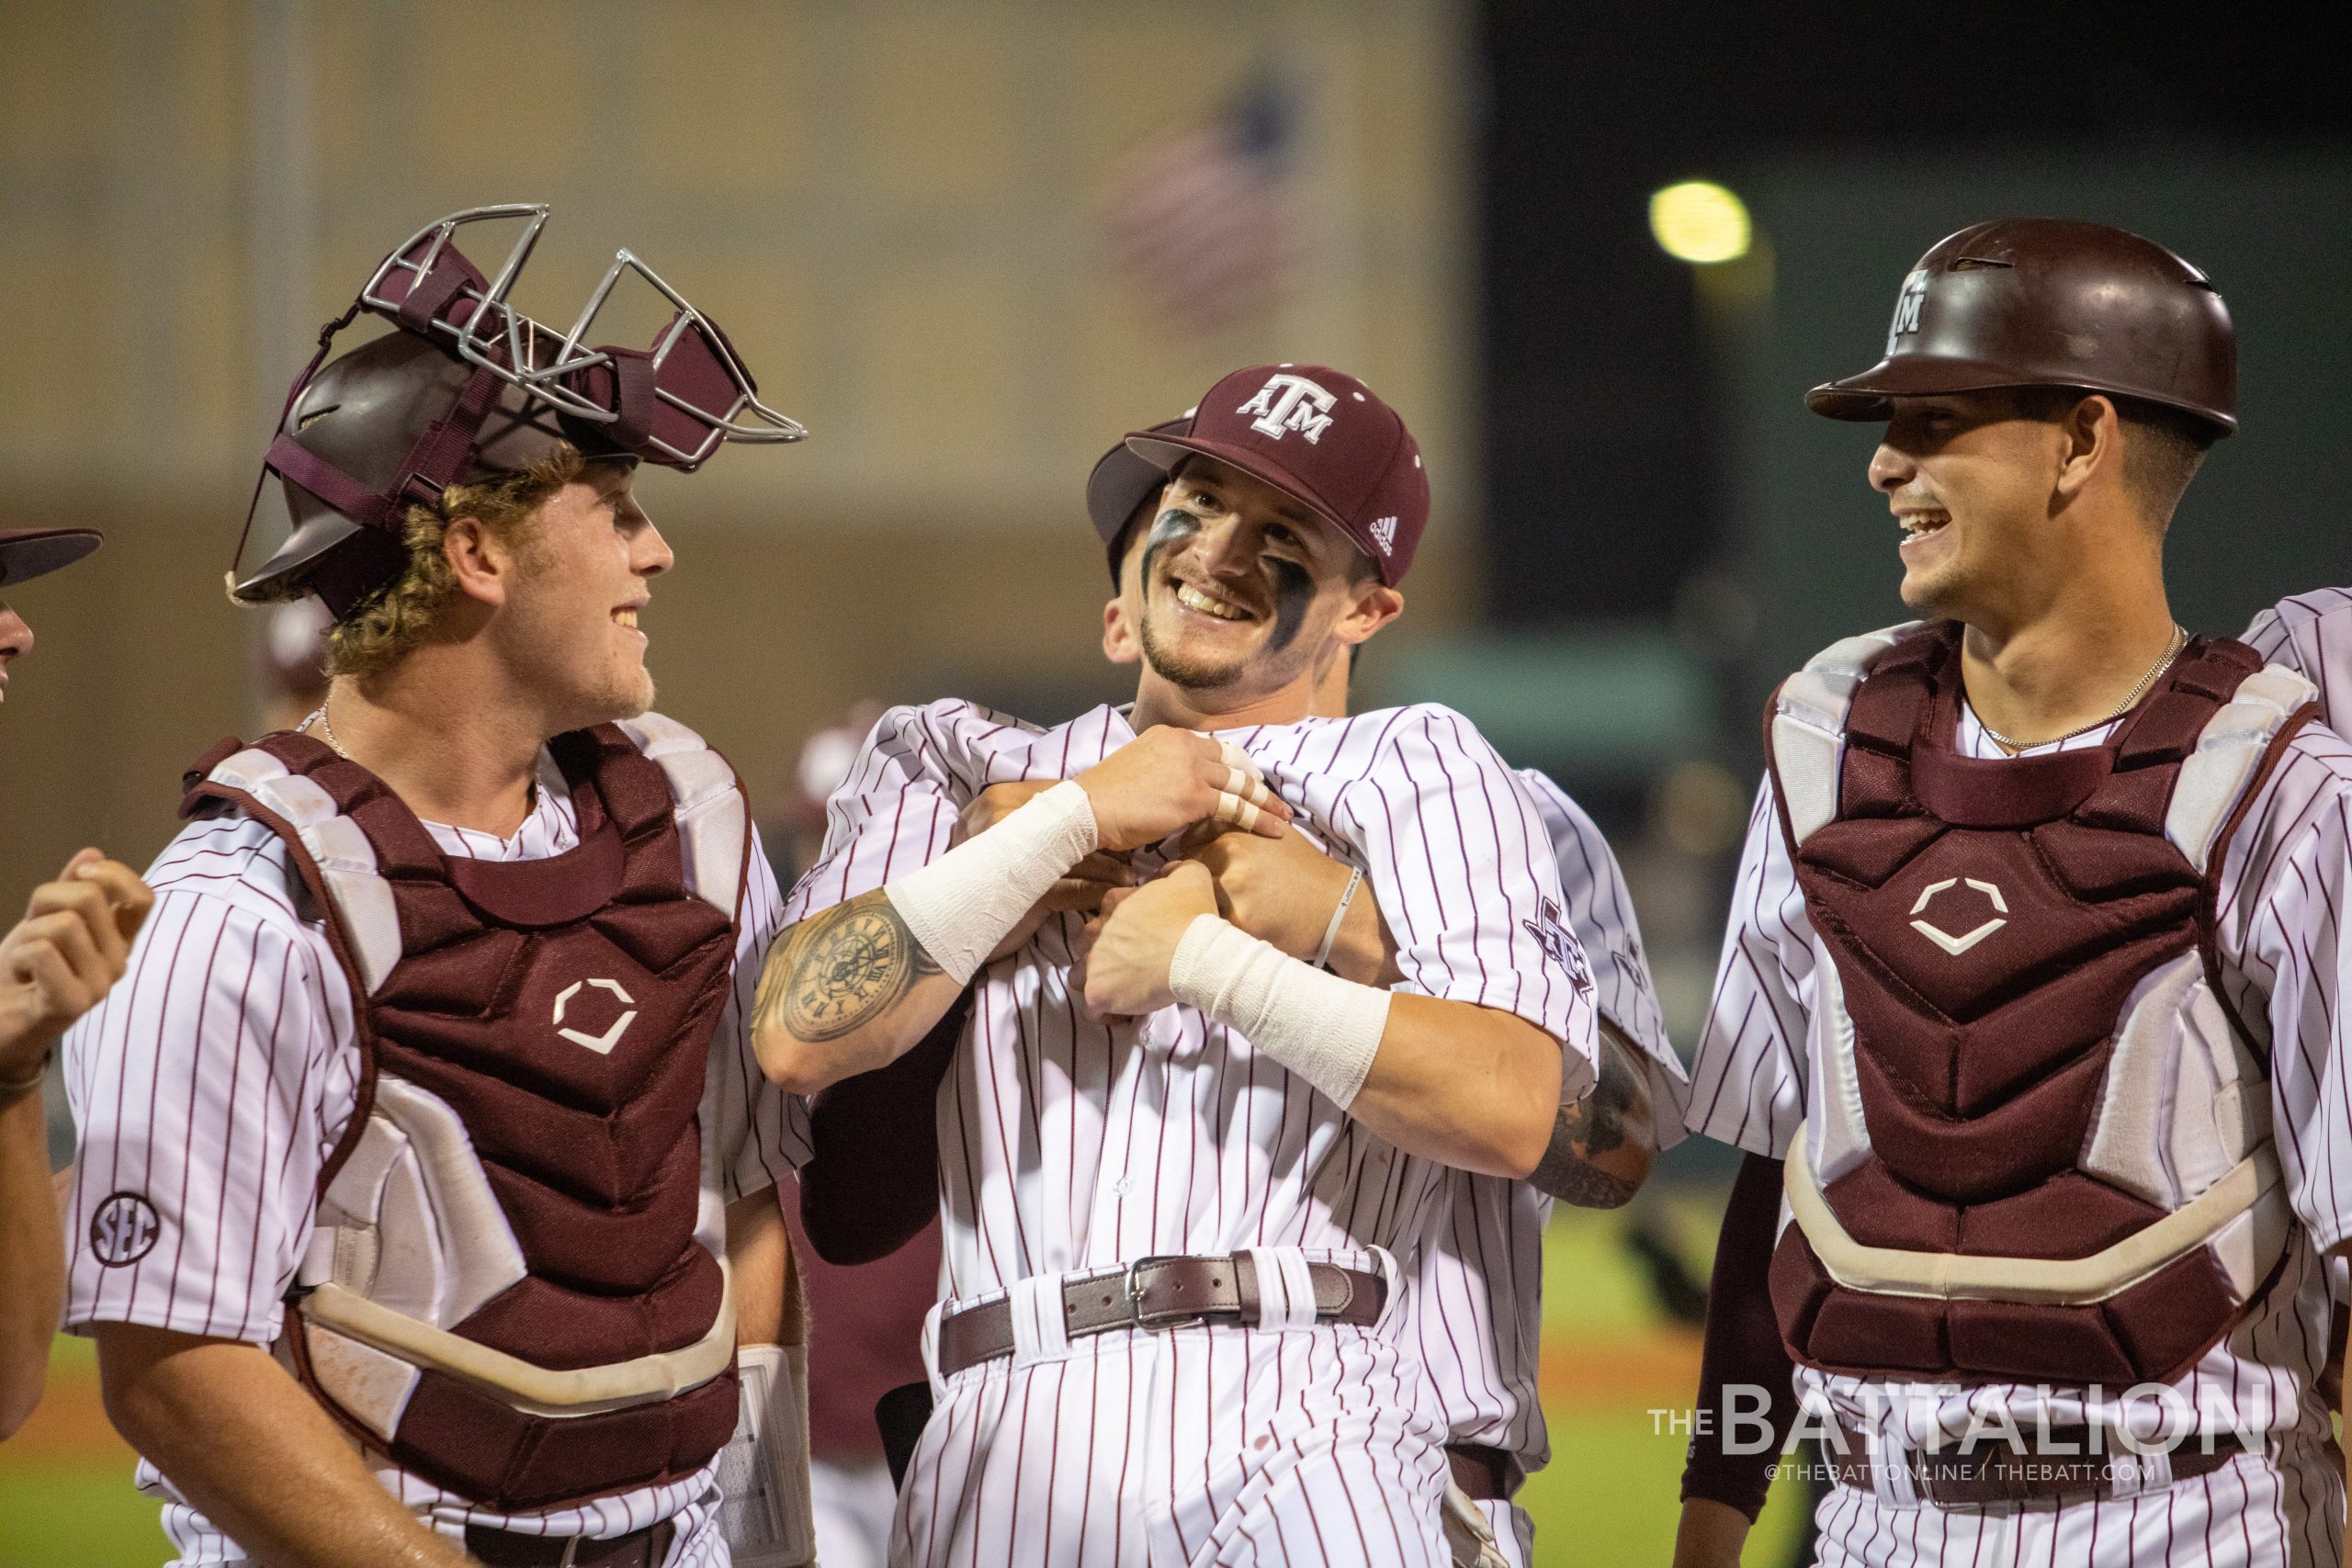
{"x": 124, "y": 1230}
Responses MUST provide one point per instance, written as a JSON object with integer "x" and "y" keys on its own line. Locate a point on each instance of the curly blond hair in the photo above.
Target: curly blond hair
{"x": 374, "y": 637}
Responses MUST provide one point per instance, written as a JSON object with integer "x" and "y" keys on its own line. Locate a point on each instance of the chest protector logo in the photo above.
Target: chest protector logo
{"x": 2039, "y": 1142}
{"x": 506, "y": 1293}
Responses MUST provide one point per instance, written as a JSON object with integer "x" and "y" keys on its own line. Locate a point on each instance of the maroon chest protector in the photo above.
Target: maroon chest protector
{"x": 563, "y": 1009}
{"x": 1989, "y": 920}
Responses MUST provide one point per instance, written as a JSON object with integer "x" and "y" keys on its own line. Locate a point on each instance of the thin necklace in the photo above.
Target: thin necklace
{"x": 2172, "y": 651}
{"x": 318, "y": 716}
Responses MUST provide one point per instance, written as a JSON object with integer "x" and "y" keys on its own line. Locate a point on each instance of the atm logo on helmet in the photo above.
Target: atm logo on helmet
{"x": 601, "y": 1044}
{"x": 1906, "y": 308}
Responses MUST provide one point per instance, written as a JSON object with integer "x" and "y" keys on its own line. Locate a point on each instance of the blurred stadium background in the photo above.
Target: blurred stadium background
{"x": 1592, "y": 251}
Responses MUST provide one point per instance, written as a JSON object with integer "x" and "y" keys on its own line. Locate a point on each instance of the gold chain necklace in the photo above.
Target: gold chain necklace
{"x": 2172, "y": 651}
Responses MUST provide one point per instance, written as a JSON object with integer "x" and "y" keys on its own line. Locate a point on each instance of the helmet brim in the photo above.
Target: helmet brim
{"x": 330, "y": 555}
{"x": 27, "y": 553}
{"x": 1165, "y": 452}
{"x": 1871, "y": 395}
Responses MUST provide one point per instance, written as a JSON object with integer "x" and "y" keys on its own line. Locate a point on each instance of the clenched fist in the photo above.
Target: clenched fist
{"x": 65, "y": 953}
{"x": 1167, "y": 779}
{"x": 1124, "y": 953}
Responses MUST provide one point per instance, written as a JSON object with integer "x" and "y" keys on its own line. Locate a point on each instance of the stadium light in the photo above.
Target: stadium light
{"x": 1699, "y": 222}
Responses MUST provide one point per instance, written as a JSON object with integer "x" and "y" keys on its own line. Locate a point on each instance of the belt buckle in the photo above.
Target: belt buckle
{"x": 1135, "y": 1291}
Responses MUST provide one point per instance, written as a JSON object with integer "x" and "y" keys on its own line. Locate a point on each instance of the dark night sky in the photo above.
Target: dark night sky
{"x": 1594, "y": 380}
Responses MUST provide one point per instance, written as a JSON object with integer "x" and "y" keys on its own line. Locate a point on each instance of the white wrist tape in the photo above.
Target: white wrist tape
{"x": 765, "y": 1510}
{"x": 1324, "y": 1029}
{"x": 961, "y": 905}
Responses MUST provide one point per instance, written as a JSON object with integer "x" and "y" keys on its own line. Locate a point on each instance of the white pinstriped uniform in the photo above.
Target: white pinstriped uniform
{"x": 2287, "y": 873}
{"x": 1068, "y": 1146}
{"x": 2312, "y": 634}
{"x": 220, "y": 1072}
{"x": 1478, "y": 1299}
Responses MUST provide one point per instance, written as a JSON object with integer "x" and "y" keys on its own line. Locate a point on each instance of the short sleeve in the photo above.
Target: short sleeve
{"x": 1748, "y": 1083}
{"x": 760, "y": 1129}
{"x": 1463, "y": 871}
{"x": 199, "y": 1086}
{"x": 2281, "y": 932}
{"x": 1600, "y": 912}
{"x": 896, "y": 811}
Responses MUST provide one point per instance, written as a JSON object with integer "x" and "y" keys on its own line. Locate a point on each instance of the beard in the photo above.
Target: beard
{"x": 1182, "y": 670}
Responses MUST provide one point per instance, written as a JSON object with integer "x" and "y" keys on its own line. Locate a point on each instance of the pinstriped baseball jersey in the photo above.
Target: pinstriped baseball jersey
{"x": 211, "y": 1085}
{"x": 2283, "y": 953}
{"x": 1478, "y": 1308}
{"x": 2312, "y": 634}
{"x": 1067, "y": 1143}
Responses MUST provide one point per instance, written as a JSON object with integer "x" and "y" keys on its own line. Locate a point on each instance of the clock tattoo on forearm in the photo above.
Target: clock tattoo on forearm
{"x": 834, "y": 972}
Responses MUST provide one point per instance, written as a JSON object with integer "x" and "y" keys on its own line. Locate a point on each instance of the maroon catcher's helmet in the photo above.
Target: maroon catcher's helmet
{"x": 466, "y": 386}
{"x": 2051, "y": 302}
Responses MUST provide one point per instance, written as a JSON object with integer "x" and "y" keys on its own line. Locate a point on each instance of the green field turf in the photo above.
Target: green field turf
{"x": 1608, "y": 1500}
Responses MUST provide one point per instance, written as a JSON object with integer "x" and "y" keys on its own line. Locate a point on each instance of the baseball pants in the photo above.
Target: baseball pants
{"x": 2285, "y": 1511}
{"x": 1187, "y": 1448}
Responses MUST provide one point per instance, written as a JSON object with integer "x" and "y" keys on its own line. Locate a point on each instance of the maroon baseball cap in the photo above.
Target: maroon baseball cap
{"x": 1319, "y": 435}
{"x": 1121, "y": 482}
{"x": 27, "y": 553}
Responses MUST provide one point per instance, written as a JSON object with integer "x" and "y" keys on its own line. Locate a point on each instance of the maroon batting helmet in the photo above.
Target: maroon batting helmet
{"x": 2051, "y": 302}
{"x": 466, "y": 386}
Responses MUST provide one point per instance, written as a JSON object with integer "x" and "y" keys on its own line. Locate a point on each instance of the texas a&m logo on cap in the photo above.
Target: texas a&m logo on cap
{"x": 1289, "y": 402}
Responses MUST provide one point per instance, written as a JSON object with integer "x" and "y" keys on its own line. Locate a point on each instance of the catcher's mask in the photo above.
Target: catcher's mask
{"x": 467, "y": 385}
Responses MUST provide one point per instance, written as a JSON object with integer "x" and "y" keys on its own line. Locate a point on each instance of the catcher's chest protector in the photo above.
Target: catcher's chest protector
{"x": 2039, "y": 1143}
{"x": 505, "y": 1293}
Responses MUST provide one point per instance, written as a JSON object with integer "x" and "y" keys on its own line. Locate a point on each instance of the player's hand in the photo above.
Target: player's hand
{"x": 1167, "y": 779}
{"x": 1280, "y": 890}
{"x": 1080, "y": 890}
{"x": 1125, "y": 952}
{"x": 63, "y": 956}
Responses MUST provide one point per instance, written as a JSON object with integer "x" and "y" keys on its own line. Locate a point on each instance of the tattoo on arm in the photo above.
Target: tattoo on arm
{"x": 832, "y": 973}
{"x": 1596, "y": 1124}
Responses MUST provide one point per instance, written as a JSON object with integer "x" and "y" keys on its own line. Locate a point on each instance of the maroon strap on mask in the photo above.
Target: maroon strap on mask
{"x": 1742, "y": 1349}
{"x": 439, "y": 458}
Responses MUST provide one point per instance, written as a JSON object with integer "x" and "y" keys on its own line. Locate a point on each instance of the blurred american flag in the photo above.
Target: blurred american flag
{"x": 1201, "y": 218}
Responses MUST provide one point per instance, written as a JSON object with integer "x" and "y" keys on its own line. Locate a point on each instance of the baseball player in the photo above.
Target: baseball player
{"x": 408, "y": 1141}
{"x": 1179, "y": 1168}
{"x": 1476, "y": 1299}
{"x": 54, "y": 966}
{"x": 2027, "y": 1015}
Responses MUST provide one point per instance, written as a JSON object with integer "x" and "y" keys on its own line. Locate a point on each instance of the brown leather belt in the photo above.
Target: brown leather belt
{"x": 1160, "y": 1292}
{"x": 1483, "y": 1473}
{"x": 1996, "y": 1473}
{"x": 503, "y": 1549}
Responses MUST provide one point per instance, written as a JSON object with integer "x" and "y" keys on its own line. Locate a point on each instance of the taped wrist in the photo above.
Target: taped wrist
{"x": 961, "y": 905}
{"x": 1324, "y": 1029}
{"x": 764, "y": 1509}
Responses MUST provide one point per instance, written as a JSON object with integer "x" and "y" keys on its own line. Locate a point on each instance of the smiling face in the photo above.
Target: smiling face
{"x": 569, "y": 627}
{"x": 16, "y": 641}
{"x": 1233, "y": 587}
{"x": 1971, "y": 480}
